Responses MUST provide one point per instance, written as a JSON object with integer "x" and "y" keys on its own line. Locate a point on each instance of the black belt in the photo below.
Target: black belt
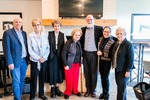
{"x": 90, "y": 51}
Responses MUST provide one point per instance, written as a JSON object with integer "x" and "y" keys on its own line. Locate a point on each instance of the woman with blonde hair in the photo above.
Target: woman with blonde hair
{"x": 38, "y": 48}
{"x": 71, "y": 56}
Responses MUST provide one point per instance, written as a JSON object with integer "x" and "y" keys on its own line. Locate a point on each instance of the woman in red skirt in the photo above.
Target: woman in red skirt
{"x": 71, "y": 56}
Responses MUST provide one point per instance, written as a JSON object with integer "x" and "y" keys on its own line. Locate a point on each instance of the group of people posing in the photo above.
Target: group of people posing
{"x": 53, "y": 58}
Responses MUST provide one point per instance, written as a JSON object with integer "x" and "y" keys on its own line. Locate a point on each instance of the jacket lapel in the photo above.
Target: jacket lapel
{"x": 15, "y": 34}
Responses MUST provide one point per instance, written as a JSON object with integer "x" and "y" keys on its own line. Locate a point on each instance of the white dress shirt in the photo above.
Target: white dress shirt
{"x": 38, "y": 46}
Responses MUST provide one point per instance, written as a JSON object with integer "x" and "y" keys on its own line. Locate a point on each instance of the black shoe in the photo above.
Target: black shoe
{"x": 58, "y": 92}
{"x": 106, "y": 97}
{"x": 53, "y": 94}
{"x": 66, "y": 96}
{"x": 93, "y": 95}
{"x": 101, "y": 96}
{"x": 86, "y": 94}
{"x": 79, "y": 94}
{"x": 43, "y": 97}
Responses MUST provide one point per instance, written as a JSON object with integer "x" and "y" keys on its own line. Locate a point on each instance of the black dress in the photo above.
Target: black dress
{"x": 54, "y": 70}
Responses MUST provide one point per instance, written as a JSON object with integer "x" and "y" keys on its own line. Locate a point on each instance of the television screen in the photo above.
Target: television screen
{"x": 80, "y": 8}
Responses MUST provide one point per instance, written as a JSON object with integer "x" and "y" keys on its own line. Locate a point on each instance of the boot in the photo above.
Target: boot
{"x": 53, "y": 94}
{"x": 58, "y": 92}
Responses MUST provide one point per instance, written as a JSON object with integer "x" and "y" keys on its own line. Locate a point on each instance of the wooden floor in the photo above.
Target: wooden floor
{"x": 130, "y": 92}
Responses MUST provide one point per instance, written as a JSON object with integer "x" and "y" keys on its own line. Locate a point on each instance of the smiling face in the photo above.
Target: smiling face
{"x": 57, "y": 27}
{"x": 36, "y": 23}
{"x": 106, "y": 32}
{"x": 17, "y": 23}
{"x": 90, "y": 21}
{"x": 76, "y": 34}
{"x": 121, "y": 34}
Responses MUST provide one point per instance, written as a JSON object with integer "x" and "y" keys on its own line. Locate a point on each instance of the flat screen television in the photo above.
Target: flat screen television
{"x": 80, "y": 8}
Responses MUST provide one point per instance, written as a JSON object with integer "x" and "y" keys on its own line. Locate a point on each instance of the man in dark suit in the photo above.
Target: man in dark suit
{"x": 89, "y": 42}
{"x": 15, "y": 52}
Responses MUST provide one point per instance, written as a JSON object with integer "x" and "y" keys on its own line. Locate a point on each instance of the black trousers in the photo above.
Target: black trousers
{"x": 34, "y": 74}
{"x": 104, "y": 68}
{"x": 121, "y": 82}
{"x": 90, "y": 70}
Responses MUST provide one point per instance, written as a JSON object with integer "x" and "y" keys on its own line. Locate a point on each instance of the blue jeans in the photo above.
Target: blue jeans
{"x": 18, "y": 79}
{"x": 121, "y": 81}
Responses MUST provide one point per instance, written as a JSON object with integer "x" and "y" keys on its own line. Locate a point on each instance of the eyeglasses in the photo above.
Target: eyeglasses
{"x": 106, "y": 31}
{"x": 36, "y": 25}
{"x": 89, "y": 19}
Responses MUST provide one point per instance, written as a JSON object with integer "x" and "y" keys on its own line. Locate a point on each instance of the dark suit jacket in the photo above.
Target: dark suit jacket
{"x": 52, "y": 42}
{"x": 125, "y": 56}
{"x": 98, "y": 32}
{"x": 12, "y": 47}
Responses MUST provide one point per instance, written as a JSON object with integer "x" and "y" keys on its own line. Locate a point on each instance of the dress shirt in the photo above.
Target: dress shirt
{"x": 56, "y": 39}
{"x": 21, "y": 39}
{"x": 89, "y": 44}
{"x": 38, "y": 46}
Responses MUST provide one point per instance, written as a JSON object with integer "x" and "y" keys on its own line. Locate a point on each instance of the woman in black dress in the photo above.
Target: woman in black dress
{"x": 54, "y": 74}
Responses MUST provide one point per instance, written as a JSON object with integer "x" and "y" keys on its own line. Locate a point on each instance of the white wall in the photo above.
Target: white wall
{"x": 124, "y": 9}
{"x": 30, "y": 9}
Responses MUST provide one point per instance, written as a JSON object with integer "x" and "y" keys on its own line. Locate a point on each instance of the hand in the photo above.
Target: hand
{"x": 41, "y": 60}
{"x": 99, "y": 53}
{"x": 127, "y": 74}
{"x": 66, "y": 67}
{"x": 11, "y": 66}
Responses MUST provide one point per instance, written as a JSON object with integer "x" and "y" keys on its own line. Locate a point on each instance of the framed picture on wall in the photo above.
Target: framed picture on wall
{"x": 140, "y": 27}
{"x": 6, "y": 20}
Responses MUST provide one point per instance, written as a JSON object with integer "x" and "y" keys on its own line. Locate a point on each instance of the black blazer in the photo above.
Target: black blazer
{"x": 125, "y": 56}
{"x": 98, "y": 32}
{"x": 69, "y": 53}
{"x": 52, "y": 43}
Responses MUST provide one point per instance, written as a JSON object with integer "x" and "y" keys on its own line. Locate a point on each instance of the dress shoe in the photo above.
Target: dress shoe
{"x": 53, "y": 94}
{"x": 93, "y": 95}
{"x": 58, "y": 92}
{"x": 101, "y": 96}
{"x": 106, "y": 97}
{"x": 31, "y": 98}
{"x": 66, "y": 96}
{"x": 86, "y": 94}
{"x": 79, "y": 94}
{"x": 43, "y": 97}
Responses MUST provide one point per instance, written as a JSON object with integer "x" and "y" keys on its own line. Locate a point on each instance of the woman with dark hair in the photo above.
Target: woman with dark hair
{"x": 105, "y": 50}
{"x": 55, "y": 72}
